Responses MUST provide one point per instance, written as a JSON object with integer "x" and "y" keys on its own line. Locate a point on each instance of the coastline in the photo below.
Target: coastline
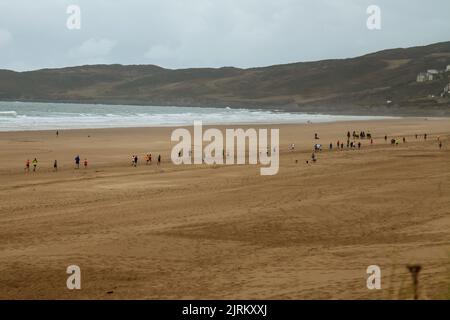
{"x": 19, "y": 116}
{"x": 335, "y": 109}
{"x": 220, "y": 125}
{"x": 345, "y": 123}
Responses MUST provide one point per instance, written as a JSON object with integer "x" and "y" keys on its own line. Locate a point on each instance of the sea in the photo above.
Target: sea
{"x": 20, "y": 116}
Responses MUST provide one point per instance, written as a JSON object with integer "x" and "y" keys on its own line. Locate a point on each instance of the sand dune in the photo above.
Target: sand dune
{"x": 226, "y": 232}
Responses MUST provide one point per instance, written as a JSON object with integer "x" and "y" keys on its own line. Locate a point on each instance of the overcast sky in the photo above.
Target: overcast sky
{"x": 210, "y": 33}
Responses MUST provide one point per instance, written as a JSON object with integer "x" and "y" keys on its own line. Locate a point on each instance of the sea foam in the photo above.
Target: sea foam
{"x": 50, "y": 116}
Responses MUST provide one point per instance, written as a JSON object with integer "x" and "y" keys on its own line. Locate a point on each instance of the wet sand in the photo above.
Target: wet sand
{"x": 226, "y": 232}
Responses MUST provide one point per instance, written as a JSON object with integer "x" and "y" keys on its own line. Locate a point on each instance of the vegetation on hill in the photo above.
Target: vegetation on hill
{"x": 379, "y": 83}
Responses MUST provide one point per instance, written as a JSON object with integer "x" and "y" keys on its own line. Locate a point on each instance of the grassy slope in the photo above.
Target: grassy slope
{"x": 359, "y": 85}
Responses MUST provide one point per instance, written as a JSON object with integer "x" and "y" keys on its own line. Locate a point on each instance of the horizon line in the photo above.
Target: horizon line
{"x": 223, "y": 67}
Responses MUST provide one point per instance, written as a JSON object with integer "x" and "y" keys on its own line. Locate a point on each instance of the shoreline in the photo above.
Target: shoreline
{"x": 102, "y": 118}
{"x": 74, "y": 118}
{"x": 335, "y": 110}
{"x": 233, "y": 124}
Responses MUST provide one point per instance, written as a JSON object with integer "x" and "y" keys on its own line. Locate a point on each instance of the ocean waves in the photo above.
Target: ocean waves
{"x": 51, "y": 116}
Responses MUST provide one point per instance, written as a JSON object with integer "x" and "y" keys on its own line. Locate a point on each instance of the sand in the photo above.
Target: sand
{"x": 226, "y": 232}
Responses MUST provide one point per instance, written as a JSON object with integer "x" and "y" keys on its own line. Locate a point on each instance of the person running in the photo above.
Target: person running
{"x": 85, "y": 163}
{"x": 77, "y": 162}
{"x": 313, "y": 157}
{"x": 57, "y": 133}
{"x": 371, "y": 141}
{"x": 416, "y": 136}
{"x": 342, "y": 146}
{"x": 35, "y": 163}
{"x": 135, "y": 161}
{"x": 425, "y": 136}
{"x": 359, "y": 145}
{"x": 404, "y": 140}
{"x": 385, "y": 138}
{"x": 348, "y": 135}
{"x": 440, "y": 145}
{"x": 150, "y": 158}
{"x": 331, "y": 146}
{"x": 147, "y": 159}
{"x": 159, "y": 159}
{"x": 55, "y": 165}
{"x": 27, "y": 165}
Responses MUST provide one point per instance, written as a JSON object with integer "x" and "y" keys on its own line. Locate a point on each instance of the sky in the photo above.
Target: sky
{"x": 210, "y": 33}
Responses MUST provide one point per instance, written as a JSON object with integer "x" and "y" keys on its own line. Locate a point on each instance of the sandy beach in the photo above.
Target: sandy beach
{"x": 226, "y": 232}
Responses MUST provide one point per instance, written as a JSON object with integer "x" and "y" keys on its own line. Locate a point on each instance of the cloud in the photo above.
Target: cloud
{"x": 5, "y": 37}
{"x": 211, "y": 33}
{"x": 93, "y": 48}
{"x": 158, "y": 52}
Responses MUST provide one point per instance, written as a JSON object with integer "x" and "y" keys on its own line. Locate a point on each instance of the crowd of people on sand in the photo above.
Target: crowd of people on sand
{"x": 350, "y": 145}
{"x": 148, "y": 160}
{"x": 353, "y": 145}
{"x": 77, "y": 162}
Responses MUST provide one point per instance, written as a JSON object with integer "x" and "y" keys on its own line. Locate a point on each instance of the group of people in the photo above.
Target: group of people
{"x": 77, "y": 160}
{"x": 350, "y": 144}
{"x": 317, "y": 148}
{"x": 396, "y": 141}
{"x": 27, "y": 164}
{"x": 425, "y": 138}
{"x": 360, "y": 135}
{"x": 339, "y": 144}
{"x": 55, "y": 164}
{"x": 148, "y": 160}
{"x": 356, "y": 145}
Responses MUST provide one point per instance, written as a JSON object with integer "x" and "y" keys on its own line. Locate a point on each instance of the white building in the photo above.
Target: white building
{"x": 422, "y": 77}
{"x": 426, "y": 76}
{"x": 431, "y": 74}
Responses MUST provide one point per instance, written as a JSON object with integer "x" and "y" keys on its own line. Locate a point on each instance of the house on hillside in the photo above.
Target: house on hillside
{"x": 422, "y": 77}
{"x": 430, "y": 75}
{"x": 433, "y": 74}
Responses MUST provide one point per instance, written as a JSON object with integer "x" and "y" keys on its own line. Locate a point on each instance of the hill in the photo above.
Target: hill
{"x": 360, "y": 85}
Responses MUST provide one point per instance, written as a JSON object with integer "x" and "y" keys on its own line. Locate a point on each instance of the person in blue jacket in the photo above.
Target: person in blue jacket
{"x": 77, "y": 162}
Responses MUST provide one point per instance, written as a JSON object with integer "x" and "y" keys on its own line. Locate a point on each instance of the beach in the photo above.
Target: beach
{"x": 226, "y": 232}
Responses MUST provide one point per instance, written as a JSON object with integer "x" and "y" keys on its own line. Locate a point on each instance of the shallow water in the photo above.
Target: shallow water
{"x": 50, "y": 116}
